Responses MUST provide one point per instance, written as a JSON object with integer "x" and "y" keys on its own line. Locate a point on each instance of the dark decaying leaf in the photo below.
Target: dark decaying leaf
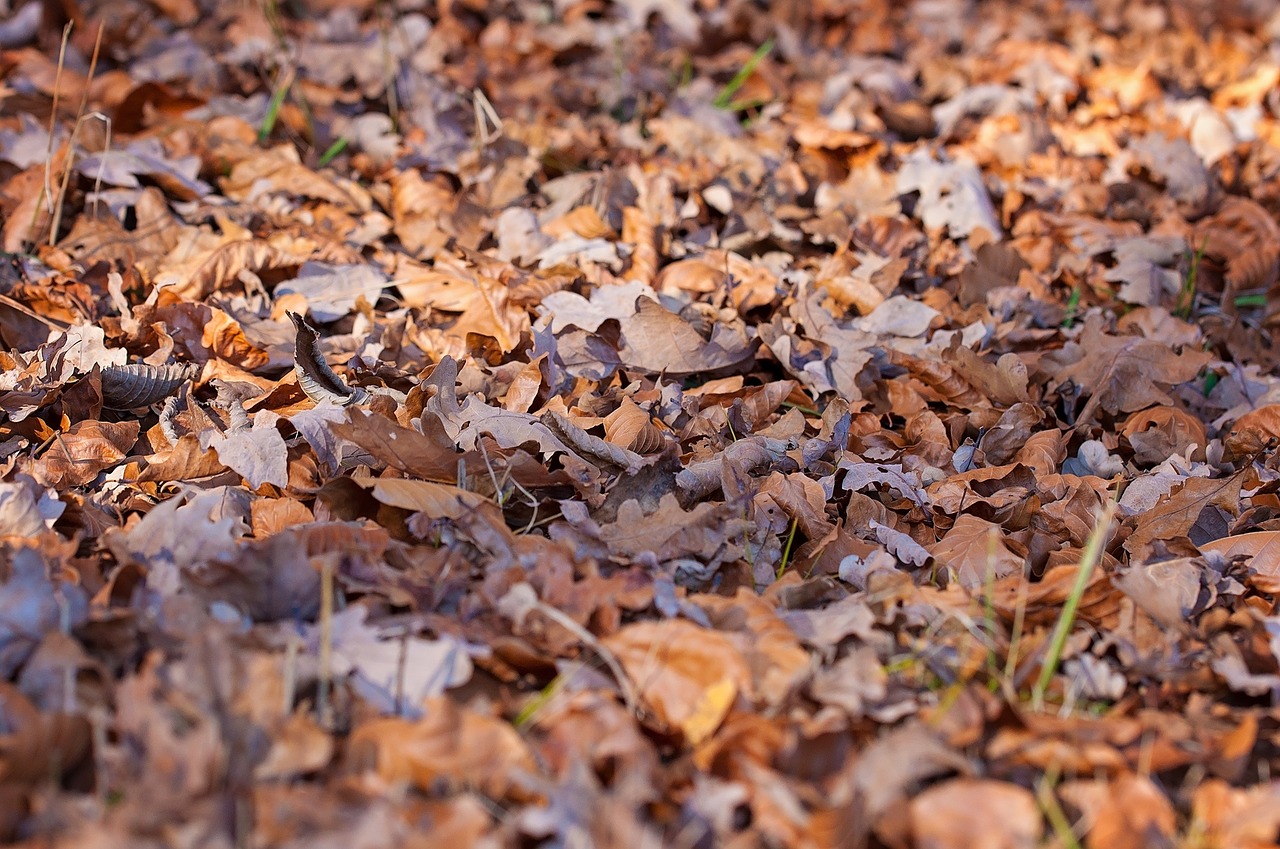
{"x": 141, "y": 384}
{"x": 314, "y": 375}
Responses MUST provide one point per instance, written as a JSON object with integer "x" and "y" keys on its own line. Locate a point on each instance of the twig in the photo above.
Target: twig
{"x": 69, "y": 165}
{"x": 521, "y": 600}
{"x": 323, "y": 706}
{"x": 53, "y": 118}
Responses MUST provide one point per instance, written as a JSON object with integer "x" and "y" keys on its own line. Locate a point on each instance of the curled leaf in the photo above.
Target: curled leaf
{"x": 169, "y": 414}
{"x": 315, "y": 377}
{"x": 135, "y": 385}
{"x": 591, "y": 446}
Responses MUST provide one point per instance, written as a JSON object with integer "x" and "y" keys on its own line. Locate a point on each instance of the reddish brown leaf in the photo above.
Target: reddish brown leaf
{"x": 75, "y": 458}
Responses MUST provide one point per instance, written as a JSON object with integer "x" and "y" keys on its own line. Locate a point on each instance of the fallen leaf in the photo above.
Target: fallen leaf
{"x": 26, "y": 509}
{"x": 952, "y": 194}
{"x": 1175, "y": 515}
{"x": 1124, "y": 374}
{"x": 75, "y": 458}
{"x": 968, "y": 812}
{"x": 396, "y": 675}
{"x": 258, "y": 454}
{"x": 1128, "y": 813}
{"x": 657, "y": 340}
{"x": 331, "y": 291}
{"x": 31, "y": 605}
{"x": 448, "y": 744}
{"x": 675, "y": 665}
{"x": 977, "y": 551}
{"x": 300, "y": 747}
{"x": 1263, "y": 549}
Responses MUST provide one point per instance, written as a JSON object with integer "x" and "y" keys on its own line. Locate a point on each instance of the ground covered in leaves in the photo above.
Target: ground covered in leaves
{"x": 715, "y": 423}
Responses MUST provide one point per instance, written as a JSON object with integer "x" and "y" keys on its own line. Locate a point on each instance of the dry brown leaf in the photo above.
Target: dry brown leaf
{"x": 1040, "y": 603}
{"x": 1174, "y": 516}
{"x": 437, "y": 500}
{"x": 771, "y": 649}
{"x": 1169, "y": 591}
{"x": 727, "y": 397}
{"x": 688, "y": 675}
{"x": 26, "y": 509}
{"x": 802, "y": 500}
{"x": 978, "y": 551}
{"x": 1232, "y": 816}
{"x": 36, "y": 743}
{"x": 31, "y": 605}
{"x": 1125, "y": 374}
{"x": 462, "y": 748}
{"x": 630, "y": 427}
{"x": 491, "y": 313}
{"x": 417, "y": 207}
{"x": 582, "y": 221}
{"x": 1253, "y": 432}
{"x": 669, "y": 531}
{"x": 638, "y": 232}
{"x": 300, "y": 746}
{"x": 280, "y": 170}
{"x": 185, "y": 460}
{"x": 1160, "y": 432}
{"x": 258, "y": 454}
{"x": 404, "y": 449}
{"x": 749, "y": 285}
{"x": 1004, "y": 382}
{"x": 657, "y": 340}
{"x": 126, "y": 387}
{"x": 273, "y": 515}
{"x": 969, "y": 812}
{"x": 1127, "y": 813}
{"x": 316, "y": 378}
{"x": 1245, "y": 237}
{"x": 1263, "y": 549}
{"x": 220, "y": 265}
{"x": 75, "y": 458}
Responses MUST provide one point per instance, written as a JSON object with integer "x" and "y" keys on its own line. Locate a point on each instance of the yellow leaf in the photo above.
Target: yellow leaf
{"x": 709, "y": 711}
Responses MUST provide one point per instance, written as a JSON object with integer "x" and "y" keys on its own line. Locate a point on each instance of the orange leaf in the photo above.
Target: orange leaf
{"x": 674, "y": 664}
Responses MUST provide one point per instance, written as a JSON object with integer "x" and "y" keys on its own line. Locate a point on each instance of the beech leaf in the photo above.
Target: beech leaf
{"x": 316, "y": 378}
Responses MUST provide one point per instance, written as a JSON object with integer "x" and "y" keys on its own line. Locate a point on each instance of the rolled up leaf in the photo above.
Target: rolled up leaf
{"x": 317, "y": 380}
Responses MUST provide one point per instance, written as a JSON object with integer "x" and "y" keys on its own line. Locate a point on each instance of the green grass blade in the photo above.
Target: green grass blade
{"x": 1073, "y": 306}
{"x": 273, "y": 113}
{"x": 339, "y": 145}
{"x": 1088, "y": 560}
{"x": 786, "y": 550}
{"x": 725, "y": 98}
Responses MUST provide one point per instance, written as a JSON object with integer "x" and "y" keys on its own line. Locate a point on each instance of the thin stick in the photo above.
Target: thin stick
{"x": 69, "y": 165}
{"x": 53, "y": 118}
{"x": 589, "y": 639}
{"x": 323, "y": 707}
{"x": 290, "y": 686}
{"x": 385, "y": 24}
{"x": 486, "y": 117}
{"x": 102, "y": 160}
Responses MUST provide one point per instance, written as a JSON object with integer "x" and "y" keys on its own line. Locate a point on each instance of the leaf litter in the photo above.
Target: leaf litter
{"x": 647, "y": 423}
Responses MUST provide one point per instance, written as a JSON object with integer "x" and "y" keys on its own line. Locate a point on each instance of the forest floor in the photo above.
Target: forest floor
{"x": 652, "y": 423}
